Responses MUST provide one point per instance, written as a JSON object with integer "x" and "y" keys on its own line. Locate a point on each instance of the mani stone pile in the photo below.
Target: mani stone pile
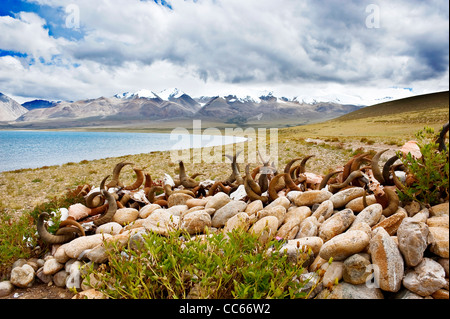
{"x": 403, "y": 256}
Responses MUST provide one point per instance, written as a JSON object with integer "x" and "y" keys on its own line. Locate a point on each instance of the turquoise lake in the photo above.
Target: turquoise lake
{"x": 33, "y": 149}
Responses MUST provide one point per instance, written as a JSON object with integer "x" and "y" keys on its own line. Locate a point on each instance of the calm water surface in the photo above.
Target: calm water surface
{"x": 32, "y": 149}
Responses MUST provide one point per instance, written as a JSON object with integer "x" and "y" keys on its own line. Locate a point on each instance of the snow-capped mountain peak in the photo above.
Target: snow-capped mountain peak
{"x": 172, "y": 93}
{"x": 139, "y": 94}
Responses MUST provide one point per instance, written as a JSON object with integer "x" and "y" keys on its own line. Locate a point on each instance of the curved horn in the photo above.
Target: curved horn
{"x": 139, "y": 180}
{"x": 273, "y": 194}
{"x": 250, "y": 182}
{"x": 393, "y": 202}
{"x": 333, "y": 188}
{"x": 287, "y": 179}
{"x": 50, "y": 238}
{"x": 184, "y": 179}
{"x": 69, "y": 222}
{"x": 152, "y": 191}
{"x": 386, "y": 170}
{"x": 327, "y": 178}
{"x": 112, "y": 208}
{"x": 251, "y": 194}
{"x": 116, "y": 174}
{"x": 441, "y": 139}
{"x": 376, "y": 168}
{"x": 235, "y": 174}
{"x": 302, "y": 168}
{"x": 357, "y": 162}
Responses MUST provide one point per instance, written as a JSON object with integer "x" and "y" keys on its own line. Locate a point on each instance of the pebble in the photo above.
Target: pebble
{"x": 59, "y": 279}
{"x": 6, "y": 288}
{"x": 254, "y": 207}
{"x": 324, "y": 211}
{"x": 370, "y": 215}
{"x": 196, "y": 222}
{"x": 388, "y": 259}
{"x": 344, "y": 245}
{"x": 22, "y": 276}
{"x": 309, "y": 227}
{"x": 336, "y": 224}
{"x": 178, "y": 199}
{"x": 111, "y": 228}
{"x": 438, "y": 238}
{"x": 440, "y": 210}
{"x": 426, "y": 278}
{"x": 265, "y": 228}
{"x": 195, "y": 202}
{"x": 392, "y": 223}
{"x": 89, "y": 294}
{"x": 357, "y": 269}
{"x": 74, "y": 248}
{"x": 348, "y": 291}
{"x": 52, "y": 266}
{"x": 161, "y": 222}
{"x": 412, "y": 240}
{"x": 340, "y": 199}
{"x": 314, "y": 243}
{"x": 227, "y": 211}
{"x": 124, "y": 216}
{"x": 145, "y": 211}
{"x": 333, "y": 274}
{"x": 310, "y": 198}
{"x": 218, "y": 201}
{"x": 238, "y": 221}
{"x": 357, "y": 205}
{"x": 43, "y": 277}
{"x": 441, "y": 221}
{"x": 278, "y": 211}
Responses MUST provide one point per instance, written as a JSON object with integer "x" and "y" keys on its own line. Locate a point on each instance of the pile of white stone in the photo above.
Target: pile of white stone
{"x": 357, "y": 252}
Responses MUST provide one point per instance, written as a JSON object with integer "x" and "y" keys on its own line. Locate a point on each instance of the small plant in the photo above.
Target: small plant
{"x": 428, "y": 176}
{"x": 17, "y": 237}
{"x": 211, "y": 267}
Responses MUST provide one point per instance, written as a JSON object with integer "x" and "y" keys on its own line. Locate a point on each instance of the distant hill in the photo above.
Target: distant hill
{"x": 389, "y": 120}
{"x": 10, "y": 109}
{"x": 417, "y": 103}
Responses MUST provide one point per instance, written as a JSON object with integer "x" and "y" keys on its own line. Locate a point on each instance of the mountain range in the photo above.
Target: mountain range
{"x": 171, "y": 104}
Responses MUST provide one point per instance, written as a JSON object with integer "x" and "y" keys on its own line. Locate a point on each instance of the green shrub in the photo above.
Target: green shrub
{"x": 211, "y": 267}
{"x": 17, "y": 238}
{"x": 430, "y": 172}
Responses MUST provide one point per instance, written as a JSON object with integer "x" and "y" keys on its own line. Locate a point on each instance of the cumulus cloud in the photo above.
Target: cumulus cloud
{"x": 206, "y": 45}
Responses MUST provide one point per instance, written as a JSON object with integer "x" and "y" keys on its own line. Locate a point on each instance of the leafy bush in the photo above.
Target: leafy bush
{"x": 214, "y": 267}
{"x": 430, "y": 173}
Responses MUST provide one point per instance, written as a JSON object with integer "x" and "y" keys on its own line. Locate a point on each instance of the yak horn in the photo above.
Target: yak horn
{"x": 112, "y": 208}
{"x": 139, "y": 180}
{"x": 50, "y": 238}
{"x": 376, "y": 168}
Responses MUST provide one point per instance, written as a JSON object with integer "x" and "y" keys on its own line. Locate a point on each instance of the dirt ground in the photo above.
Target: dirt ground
{"x": 40, "y": 291}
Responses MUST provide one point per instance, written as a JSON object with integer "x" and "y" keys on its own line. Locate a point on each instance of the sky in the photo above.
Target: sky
{"x": 359, "y": 50}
